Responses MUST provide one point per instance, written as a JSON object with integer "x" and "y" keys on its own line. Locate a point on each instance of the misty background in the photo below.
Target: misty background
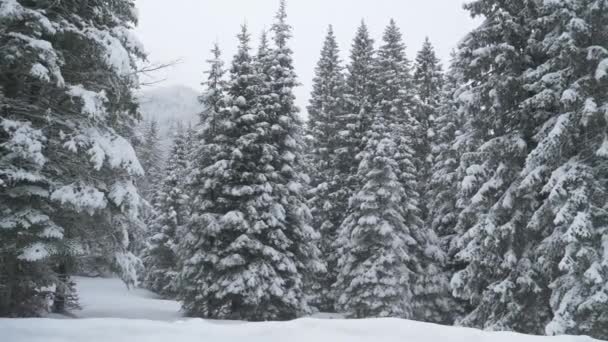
{"x": 185, "y": 30}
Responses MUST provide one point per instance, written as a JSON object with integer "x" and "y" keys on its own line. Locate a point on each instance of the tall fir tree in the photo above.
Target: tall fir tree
{"x": 376, "y": 262}
{"x": 397, "y": 101}
{"x": 207, "y": 156}
{"x": 428, "y": 82}
{"x": 67, "y": 72}
{"x": 501, "y": 280}
{"x": 168, "y": 217}
{"x": 329, "y": 184}
{"x": 435, "y": 302}
{"x": 359, "y": 97}
{"x": 443, "y": 182}
{"x": 536, "y": 210}
{"x": 215, "y": 86}
{"x": 150, "y": 155}
{"x": 566, "y": 166}
{"x": 248, "y": 245}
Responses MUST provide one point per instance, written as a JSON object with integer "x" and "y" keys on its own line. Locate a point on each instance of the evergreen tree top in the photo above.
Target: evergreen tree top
{"x": 427, "y": 54}
{"x": 361, "y": 55}
{"x": 244, "y": 38}
{"x": 281, "y": 29}
{"x": 242, "y": 58}
{"x": 362, "y": 44}
{"x": 428, "y": 73}
{"x": 394, "y": 47}
{"x": 216, "y": 72}
{"x": 330, "y": 55}
{"x": 263, "y": 47}
{"x": 330, "y": 49}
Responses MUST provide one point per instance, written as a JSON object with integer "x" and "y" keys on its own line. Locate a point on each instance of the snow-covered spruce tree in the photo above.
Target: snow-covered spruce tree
{"x": 215, "y": 86}
{"x": 169, "y": 215}
{"x": 396, "y": 102}
{"x": 501, "y": 281}
{"x": 377, "y": 261}
{"x": 443, "y": 183}
{"x": 290, "y": 182}
{"x": 248, "y": 246}
{"x": 329, "y": 197}
{"x": 359, "y": 100}
{"x": 208, "y": 157}
{"x": 150, "y": 155}
{"x": 66, "y": 173}
{"x": 428, "y": 82}
{"x": 199, "y": 253}
{"x": 566, "y": 169}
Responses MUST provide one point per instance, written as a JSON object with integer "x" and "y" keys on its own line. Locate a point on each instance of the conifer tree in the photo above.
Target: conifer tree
{"x": 169, "y": 215}
{"x": 443, "y": 187}
{"x": 428, "y": 82}
{"x": 359, "y": 98}
{"x": 66, "y": 170}
{"x": 501, "y": 281}
{"x": 535, "y": 209}
{"x": 150, "y": 155}
{"x": 248, "y": 245}
{"x": 208, "y": 159}
{"x": 443, "y": 183}
{"x": 566, "y": 166}
{"x": 377, "y": 259}
{"x": 396, "y": 101}
{"x": 215, "y": 86}
{"x": 329, "y": 180}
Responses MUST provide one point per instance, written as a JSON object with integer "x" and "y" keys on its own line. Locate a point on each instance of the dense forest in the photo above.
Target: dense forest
{"x": 471, "y": 194}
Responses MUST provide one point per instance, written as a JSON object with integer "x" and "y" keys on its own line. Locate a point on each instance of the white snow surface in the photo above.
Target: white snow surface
{"x": 111, "y": 298}
{"x": 111, "y": 312}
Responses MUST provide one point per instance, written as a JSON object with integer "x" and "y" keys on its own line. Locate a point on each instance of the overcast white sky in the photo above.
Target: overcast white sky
{"x": 186, "y": 30}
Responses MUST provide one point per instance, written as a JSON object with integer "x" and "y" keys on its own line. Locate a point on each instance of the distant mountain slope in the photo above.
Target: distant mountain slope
{"x": 170, "y": 105}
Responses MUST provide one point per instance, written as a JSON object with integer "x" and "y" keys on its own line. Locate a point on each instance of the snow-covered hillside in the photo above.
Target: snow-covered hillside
{"x": 113, "y": 313}
{"x": 169, "y": 105}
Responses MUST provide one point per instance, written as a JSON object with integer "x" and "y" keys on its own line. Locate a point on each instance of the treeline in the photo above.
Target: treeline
{"x": 475, "y": 196}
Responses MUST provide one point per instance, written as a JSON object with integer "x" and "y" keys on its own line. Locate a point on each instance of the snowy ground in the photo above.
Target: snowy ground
{"x": 110, "y": 298}
{"x": 113, "y": 313}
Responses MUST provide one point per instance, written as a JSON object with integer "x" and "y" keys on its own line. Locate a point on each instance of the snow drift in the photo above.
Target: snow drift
{"x": 110, "y": 312}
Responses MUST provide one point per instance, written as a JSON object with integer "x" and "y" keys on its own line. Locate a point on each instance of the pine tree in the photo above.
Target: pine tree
{"x": 150, "y": 155}
{"x": 428, "y": 82}
{"x": 287, "y": 134}
{"x": 443, "y": 183}
{"x": 214, "y": 89}
{"x": 248, "y": 246}
{"x": 169, "y": 215}
{"x": 359, "y": 97}
{"x": 443, "y": 187}
{"x": 377, "y": 262}
{"x": 566, "y": 167}
{"x": 329, "y": 181}
{"x": 208, "y": 159}
{"x": 396, "y": 102}
{"x": 501, "y": 281}
{"x": 435, "y": 304}
{"x": 66, "y": 169}
{"x": 534, "y": 219}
